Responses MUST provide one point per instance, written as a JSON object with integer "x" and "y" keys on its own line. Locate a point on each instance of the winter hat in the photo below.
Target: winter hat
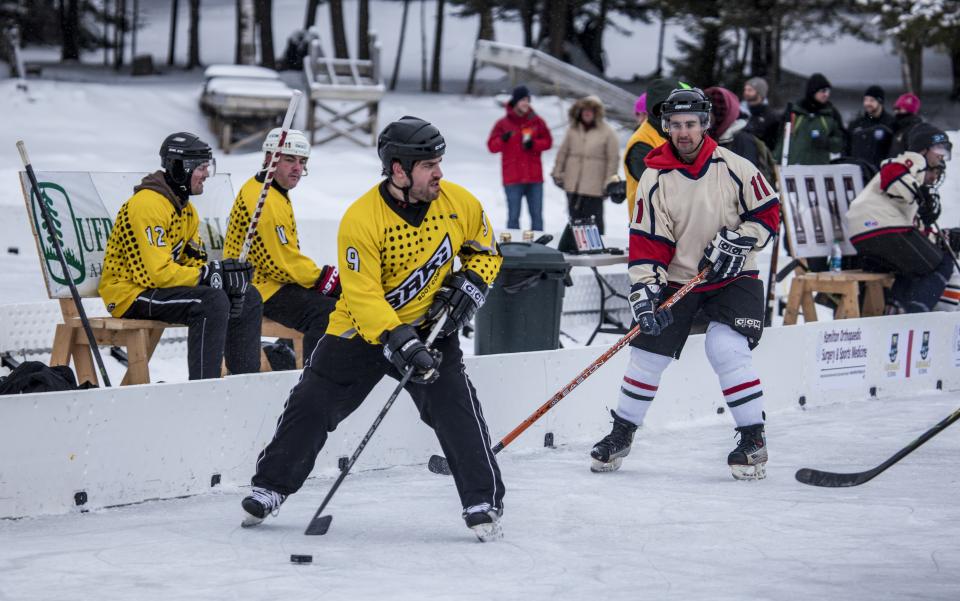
{"x": 726, "y": 108}
{"x": 816, "y": 83}
{"x": 924, "y": 135}
{"x": 640, "y": 107}
{"x": 519, "y": 93}
{"x": 875, "y": 92}
{"x": 908, "y": 103}
{"x": 759, "y": 84}
{"x": 657, "y": 93}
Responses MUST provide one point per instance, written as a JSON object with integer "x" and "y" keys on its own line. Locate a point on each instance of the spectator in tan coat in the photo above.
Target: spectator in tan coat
{"x": 588, "y": 157}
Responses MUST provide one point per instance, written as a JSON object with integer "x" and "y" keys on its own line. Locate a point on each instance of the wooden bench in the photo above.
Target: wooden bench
{"x": 846, "y": 285}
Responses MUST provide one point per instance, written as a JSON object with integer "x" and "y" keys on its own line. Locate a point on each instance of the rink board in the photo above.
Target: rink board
{"x": 130, "y": 444}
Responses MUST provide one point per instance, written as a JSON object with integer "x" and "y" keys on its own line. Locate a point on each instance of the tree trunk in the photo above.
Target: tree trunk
{"x": 193, "y": 51}
{"x": 485, "y": 32}
{"x": 339, "y": 32}
{"x": 423, "y": 45}
{"x": 70, "y": 30}
{"x": 363, "y": 30}
{"x": 403, "y": 35}
{"x": 557, "y": 26}
{"x": 246, "y": 49}
{"x": 658, "y": 72}
{"x": 120, "y": 34}
{"x": 310, "y": 19}
{"x": 911, "y": 66}
{"x": 263, "y": 12}
{"x": 437, "y": 48}
{"x": 106, "y": 33}
{"x": 955, "y": 69}
{"x": 171, "y": 48}
{"x": 527, "y": 10}
{"x": 133, "y": 30}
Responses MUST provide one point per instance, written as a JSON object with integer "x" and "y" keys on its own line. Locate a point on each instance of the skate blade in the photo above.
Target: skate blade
{"x": 749, "y": 472}
{"x": 598, "y": 467}
{"x": 488, "y": 533}
{"x": 249, "y": 520}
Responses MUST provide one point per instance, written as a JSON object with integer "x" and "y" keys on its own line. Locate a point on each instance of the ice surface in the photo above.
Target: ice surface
{"x": 671, "y": 524}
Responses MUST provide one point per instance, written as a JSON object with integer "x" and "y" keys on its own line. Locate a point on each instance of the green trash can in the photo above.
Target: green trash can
{"x": 522, "y": 311}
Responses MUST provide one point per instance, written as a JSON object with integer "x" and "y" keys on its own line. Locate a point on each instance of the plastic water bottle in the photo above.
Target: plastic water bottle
{"x": 836, "y": 257}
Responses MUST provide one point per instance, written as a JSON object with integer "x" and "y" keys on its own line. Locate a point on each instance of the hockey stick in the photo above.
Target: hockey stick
{"x": 946, "y": 244}
{"x": 319, "y": 524}
{"x": 55, "y": 241}
{"x": 837, "y": 480}
{"x": 440, "y": 465}
{"x": 271, "y": 169}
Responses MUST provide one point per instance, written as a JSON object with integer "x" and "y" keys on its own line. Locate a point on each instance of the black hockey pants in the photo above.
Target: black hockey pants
{"x": 205, "y": 311}
{"x": 340, "y": 375}
{"x": 921, "y": 267}
{"x": 306, "y": 311}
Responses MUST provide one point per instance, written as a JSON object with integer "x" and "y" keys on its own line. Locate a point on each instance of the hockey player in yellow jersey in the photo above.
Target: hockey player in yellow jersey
{"x": 697, "y": 205}
{"x": 397, "y": 246}
{"x": 155, "y": 266}
{"x": 296, "y": 292}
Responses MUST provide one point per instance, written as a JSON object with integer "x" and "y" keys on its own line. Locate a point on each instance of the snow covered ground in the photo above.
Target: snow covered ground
{"x": 672, "y": 524}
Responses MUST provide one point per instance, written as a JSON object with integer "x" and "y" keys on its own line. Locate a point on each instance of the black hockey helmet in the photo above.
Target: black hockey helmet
{"x": 181, "y": 153}
{"x": 409, "y": 140}
{"x": 686, "y": 100}
{"x": 924, "y": 135}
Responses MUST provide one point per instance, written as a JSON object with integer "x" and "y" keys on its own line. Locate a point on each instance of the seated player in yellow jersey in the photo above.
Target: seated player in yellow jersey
{"x": 397, "y": 245}
{"x": 296, "y": 292}
{"x": 155, "y": 266}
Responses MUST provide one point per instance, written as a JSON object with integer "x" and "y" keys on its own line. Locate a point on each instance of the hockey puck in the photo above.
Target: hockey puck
{"x": 301, "y": 559}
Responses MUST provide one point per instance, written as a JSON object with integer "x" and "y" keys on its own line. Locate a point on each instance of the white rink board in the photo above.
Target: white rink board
{"x": 125, "y": 445}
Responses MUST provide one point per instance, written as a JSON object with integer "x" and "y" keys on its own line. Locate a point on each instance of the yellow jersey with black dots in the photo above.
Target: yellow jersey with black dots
{"x": 153, "y": 244}
{"x": 393, "y": 257}
{"x": 275, "y": 251}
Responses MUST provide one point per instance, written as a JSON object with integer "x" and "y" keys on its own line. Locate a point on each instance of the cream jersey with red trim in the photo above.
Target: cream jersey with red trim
{"x": 889, "y": 200}
{"x": 275, "y": 251}
{"x": 393, "y": 257}
{"x": 152, "y": 245}
{"x": 681, "y": 207}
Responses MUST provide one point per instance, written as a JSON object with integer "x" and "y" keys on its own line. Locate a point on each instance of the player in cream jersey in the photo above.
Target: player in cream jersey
{"x": 697, "y": 206}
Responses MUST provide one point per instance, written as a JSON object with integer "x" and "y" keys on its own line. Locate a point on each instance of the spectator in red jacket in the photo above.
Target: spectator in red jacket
{"x": 521, "y": 136}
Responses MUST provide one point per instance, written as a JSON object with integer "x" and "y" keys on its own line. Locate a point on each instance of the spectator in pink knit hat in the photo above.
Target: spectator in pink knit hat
{"x": 640, "y": 109}
{"x": 906, "y": 116}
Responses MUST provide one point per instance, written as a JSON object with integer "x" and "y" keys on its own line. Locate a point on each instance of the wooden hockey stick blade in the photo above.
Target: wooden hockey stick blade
{"x": 319, "y": 525}
{"x": 439, "y": 465}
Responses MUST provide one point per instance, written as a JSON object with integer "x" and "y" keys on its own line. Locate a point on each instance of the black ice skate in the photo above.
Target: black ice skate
{"x": 749, "y": 460}
{"x": 259, "y": 504}
{"x": 608, "y": 454}
{"x": 484, "y": 521}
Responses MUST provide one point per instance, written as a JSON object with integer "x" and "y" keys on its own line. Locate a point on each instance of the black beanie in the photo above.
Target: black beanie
{"x": 519, "y": 93}
{"x": 924, "y": 135}
{"x": 876, "y": 92}
{"x": 816, "y": 83}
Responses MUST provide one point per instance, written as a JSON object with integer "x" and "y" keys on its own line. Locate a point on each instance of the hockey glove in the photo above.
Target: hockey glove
{"x": 328, "y": 284}
{"x": 644, "y": 299}
{"x": 928, "y": 205}
{"x": 236, "y": 277}
{"x": 404, "y": 349}
{"x": 953, "y": 239}
{"x": 462, "y": 293}
{"x": 617, "y": 191}
{"x": 727, "y": 253}
{"x": 211, "y": 274}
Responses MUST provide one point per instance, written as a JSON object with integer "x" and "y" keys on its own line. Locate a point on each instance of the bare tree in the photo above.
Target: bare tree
{"x": 484, "y": 8}
{"x": 119, "y": 33}
{"x": 437, "y": 48}
{"x": 171, "y": 48}
{"x": 423, "y": 45}
{"x": 70, "y": 30}
{"x": 363, "y": 27}
{"x": 263, "y": 11}
{"x": 403, "y": 35}
{"x": 193, "y": 52}
{"x": 557, "y": 25}
{"x": 310, "y": 19}
{"x": 339, "y": 31}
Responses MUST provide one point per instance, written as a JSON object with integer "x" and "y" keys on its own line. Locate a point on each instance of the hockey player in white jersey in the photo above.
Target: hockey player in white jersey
{"x": 697, "y": 205}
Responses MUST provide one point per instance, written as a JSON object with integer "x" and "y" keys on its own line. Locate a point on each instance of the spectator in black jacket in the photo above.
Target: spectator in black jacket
{"x": 872, "y": 132}
{"x": 905, "y": 117}
{"x": 764, "y": 122}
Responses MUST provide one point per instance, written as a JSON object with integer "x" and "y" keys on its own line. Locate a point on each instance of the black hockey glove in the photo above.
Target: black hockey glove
{"x": 928, "y": 205}
{"x": 644, "y": 299}
{"x": 727, "y": 252}
{"x": 328, "y": 284}
{"x": 505, "y": 136}
{"x": 617, "y": 191}
{"x": 404, "y": 349}
{"x": 953, "y": 238}
{"x": 211, "y": 274}
{"x": 462, "y": 293}
{"x": 236, "y": 277}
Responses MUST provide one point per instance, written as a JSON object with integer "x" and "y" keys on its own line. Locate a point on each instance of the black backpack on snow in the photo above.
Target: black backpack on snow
{"x": 34, "y": 376}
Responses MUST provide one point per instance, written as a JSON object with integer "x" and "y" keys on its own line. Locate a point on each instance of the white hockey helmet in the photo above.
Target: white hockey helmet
{"x": 295, "y": 144}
